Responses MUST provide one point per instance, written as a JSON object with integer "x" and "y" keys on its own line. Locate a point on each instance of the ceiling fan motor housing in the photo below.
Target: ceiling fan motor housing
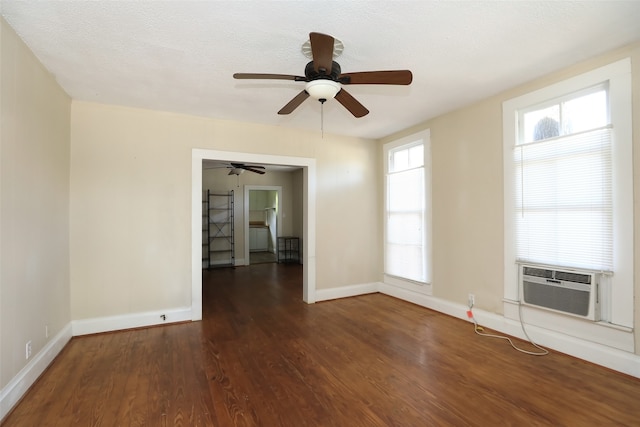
{"x": 311, "y": 73}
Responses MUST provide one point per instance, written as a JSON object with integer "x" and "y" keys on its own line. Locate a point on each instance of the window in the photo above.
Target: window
{"x": 406, "y": 214}
{"x": 568, "y": 184}
{"x": 563, "y": 183}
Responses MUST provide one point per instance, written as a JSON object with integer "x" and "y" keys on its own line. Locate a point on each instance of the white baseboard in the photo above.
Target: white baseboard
{"x": 346, "y": 291}
{"x": 600, "y": 354}
{"x": 618, "y": 360}
{"x": 128, "y": 321}
{"x": 18, "y": 386}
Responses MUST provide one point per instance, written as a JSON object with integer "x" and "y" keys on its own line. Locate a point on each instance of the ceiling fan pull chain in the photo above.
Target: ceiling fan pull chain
{"x": 322, "y": 118}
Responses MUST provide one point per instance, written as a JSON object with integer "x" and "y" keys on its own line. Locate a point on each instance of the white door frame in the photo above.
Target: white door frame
{"x": 308, "y": 222}
{"x": 247, "y": 189}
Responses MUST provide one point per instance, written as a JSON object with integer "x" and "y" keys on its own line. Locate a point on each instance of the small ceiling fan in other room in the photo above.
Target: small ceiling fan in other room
{"x": 238, "y": 168}
{"x": 325, "y": 80}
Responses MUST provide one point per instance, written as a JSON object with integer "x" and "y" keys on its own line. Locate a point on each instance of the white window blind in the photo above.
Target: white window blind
{"x": 563, "y": 198}
{"x": 405, "y": 255}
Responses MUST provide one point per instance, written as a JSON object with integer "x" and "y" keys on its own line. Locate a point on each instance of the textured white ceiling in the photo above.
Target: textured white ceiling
{"x": 180, "y": 55}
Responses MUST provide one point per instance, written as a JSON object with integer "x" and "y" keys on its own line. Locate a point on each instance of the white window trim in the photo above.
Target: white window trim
{"x": 618, "y": 74}
{"x": 425, "y": 138}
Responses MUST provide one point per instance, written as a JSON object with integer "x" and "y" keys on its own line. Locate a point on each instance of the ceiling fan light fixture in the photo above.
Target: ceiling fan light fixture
{"x": 323, "y": 89}
{"x": 236, "y": 171}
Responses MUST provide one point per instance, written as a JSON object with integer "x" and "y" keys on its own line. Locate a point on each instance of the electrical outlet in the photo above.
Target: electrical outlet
{"x": 46, "y": 331}
{"x": 27, "y": 350}
{"x": 472, "y": 300}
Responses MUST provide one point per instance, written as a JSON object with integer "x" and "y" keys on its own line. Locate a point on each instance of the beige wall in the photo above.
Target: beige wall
{"x": 468, "y": 214}
{"x": 34, "y": 225}
{"x": 131, "y": 204}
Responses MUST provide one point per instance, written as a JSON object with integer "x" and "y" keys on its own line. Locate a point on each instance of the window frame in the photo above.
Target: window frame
{"x": 559, "y": 100}
{"x": 407, "y": 142}
{"x": 617, "y": 76}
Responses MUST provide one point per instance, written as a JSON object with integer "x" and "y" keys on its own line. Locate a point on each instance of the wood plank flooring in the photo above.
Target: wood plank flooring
{"x": 261, "y": 357}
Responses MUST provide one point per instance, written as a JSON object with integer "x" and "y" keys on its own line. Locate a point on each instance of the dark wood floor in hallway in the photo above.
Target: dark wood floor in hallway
{"x": 262, "y": 357}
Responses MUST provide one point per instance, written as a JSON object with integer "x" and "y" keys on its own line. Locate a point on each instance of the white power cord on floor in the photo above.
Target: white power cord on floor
{"x": 478, "y": 330}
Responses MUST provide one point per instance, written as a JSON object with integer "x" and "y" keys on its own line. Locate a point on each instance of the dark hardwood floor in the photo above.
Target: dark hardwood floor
{"x": 261, "y": 357}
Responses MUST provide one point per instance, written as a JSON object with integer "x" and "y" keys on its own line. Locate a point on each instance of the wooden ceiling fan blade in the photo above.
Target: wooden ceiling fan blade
{"x": 322, "y": 51}
{"x": 264, "y": 76}
{"x": 254, "y": 169}
{"x": 242, "y": 165}
{"x": 351, "y": 104}
{"x": 294, "y": 103}
{"x": 392, "y": 77}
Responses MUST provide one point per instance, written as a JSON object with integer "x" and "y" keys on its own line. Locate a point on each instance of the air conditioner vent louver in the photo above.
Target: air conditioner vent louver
{"x": 573, "y": 277}
{"x": 537, "y": 272}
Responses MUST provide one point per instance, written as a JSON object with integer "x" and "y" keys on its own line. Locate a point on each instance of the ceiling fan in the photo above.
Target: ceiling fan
{"x": 324, "y": 78}
{"x": 235, "y": 167}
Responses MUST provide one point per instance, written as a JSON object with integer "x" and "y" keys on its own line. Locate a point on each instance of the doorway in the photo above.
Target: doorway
{"x": 262, "y": 222}
{"x": 308, "y": 166}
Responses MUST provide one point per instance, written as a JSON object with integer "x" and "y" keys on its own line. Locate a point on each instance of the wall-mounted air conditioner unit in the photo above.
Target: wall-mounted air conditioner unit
{"x": 570, "y": 292}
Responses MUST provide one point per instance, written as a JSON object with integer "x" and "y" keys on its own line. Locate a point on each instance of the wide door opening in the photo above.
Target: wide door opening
{"x": 302, "y": 225}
